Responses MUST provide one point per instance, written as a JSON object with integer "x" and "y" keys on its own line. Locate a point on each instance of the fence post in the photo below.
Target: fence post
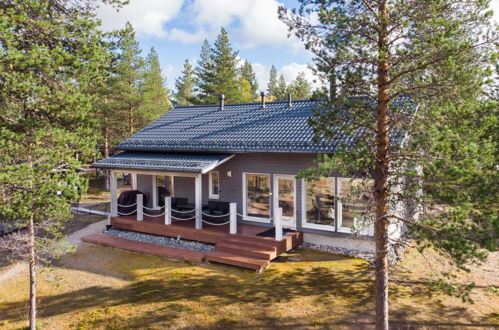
{"x": 233, "y": 218}
{"x": 168, "y": 210}
{"x": 278, "y": 223}
{"x": 140, "y": 209}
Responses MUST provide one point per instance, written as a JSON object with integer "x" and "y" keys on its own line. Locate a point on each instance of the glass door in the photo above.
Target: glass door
{"x": 285, "y": 198}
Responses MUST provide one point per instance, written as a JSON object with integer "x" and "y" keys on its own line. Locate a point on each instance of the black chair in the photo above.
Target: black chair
{"x": 129, "y": 197}
{"x": 176, "y": 201}
{"x": 216, "y": 208}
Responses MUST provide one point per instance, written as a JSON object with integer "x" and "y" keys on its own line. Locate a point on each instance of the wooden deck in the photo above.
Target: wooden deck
{"x": 244, "y": 249}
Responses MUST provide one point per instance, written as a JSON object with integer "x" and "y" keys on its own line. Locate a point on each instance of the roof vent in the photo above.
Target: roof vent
{"x": 262, "y": 94}
{"x": 221, "y": 99}
{"x": 289, "y": 100}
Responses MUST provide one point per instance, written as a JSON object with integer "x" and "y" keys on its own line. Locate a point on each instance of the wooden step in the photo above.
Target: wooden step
{"x": 240, "y": 261}
{"x": 245, "y": 250}
{"x": 254, "y": 242}
{"x": 153, "y": 249}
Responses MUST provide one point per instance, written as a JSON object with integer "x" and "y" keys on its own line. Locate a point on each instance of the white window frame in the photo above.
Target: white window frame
{"x": 341, "y": 229}
{"x": 304, "y": 222}
{"x": 245, "y": 195}
{"x": 211, "y": 195}
{"x": 276, "y": 195}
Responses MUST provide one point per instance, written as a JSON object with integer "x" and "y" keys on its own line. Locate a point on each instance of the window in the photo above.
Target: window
{"x": 355, "y": 206}
{"x": 286, "y": 195}
{"x": 257, "y": 196}
{"x": 214, "y": 184}
{"x": 164, "y": 188}
{"x": 320, "y": 206}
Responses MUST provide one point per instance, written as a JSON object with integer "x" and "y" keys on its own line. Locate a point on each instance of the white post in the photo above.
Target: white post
{"x": 154, "y": 194}
{"x": 113, "y": 188}
{"x": 278, "y": 223}
{"x": 140, "y": 207}
{"x": 233, "y": 218}
{"x": 199, "y": 201}
{"x": 168, "y": 210}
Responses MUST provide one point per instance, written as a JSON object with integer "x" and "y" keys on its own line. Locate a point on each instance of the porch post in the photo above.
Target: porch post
{"x": 113, "y": 187}
{"x": 168, "y": 210}
{"x": 198, "y": 201}
{"x": 233, "y": 218}
{"x": 140, "y": 207}
{"x": 278, "y": 223}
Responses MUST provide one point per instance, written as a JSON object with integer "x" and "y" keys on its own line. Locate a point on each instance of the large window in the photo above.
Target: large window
{"x": 320, "y": 204}
{"x": 356, "y": 195}
{"x": 164, "y": 188}
{"x": 257, "y": 195}
{"x": 214, "y": 184}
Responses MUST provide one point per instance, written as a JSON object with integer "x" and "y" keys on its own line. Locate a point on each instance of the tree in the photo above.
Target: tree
{"x": 155, "y": 96}
{"x": 281, "y": 92}
{"x": 204, "y": 73}
{"x": 248, "y": 74}
{"x": 218, "y": 71}
{"x": 185, "y": 86}
{"x": 408, "y": 77}
{"x": 51, "y": 53}
{"x": 272, "y": 85}
{"x": 300, "y": 88}
{"x": 128, "y": 83}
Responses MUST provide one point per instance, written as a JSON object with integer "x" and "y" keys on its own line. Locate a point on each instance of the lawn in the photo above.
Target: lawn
{"x": 99, "y": 287}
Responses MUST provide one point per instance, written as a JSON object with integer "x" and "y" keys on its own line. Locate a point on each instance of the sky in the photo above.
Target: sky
{"x": 176, "y": 29}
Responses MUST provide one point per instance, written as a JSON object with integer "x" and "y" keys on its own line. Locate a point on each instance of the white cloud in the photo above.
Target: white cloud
{"x": 290, "y": 71}
{"x": 148, "y": 17}
{"x": 186, "y": 37}
{"x": 494, "y": 5}
{"x": 262, "y": 74}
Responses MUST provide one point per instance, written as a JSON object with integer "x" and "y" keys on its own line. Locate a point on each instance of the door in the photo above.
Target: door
{"x": 285, "y": 198}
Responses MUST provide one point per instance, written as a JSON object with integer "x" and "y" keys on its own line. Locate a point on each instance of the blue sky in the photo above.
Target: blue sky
{"x": 176, "y": 28}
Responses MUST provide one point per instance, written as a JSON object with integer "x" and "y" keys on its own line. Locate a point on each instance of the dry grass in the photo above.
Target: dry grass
{"x": 105, "y": 288}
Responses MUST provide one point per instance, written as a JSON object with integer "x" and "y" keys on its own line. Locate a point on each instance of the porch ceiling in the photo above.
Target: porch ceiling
{"x": 164, "y": 162}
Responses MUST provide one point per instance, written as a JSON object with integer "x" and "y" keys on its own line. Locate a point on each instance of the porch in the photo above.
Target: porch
{"x": 245, "y": 249}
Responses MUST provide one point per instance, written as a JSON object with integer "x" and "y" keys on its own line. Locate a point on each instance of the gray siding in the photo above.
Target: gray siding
{"x": 184, "y": 187}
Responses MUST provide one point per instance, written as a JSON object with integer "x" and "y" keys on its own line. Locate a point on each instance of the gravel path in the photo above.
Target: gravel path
{"x": 159, "y": 240}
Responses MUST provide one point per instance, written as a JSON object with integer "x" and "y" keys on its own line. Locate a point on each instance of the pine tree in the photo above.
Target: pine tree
{"x": 128, "y": 83}
{"x": 273, "y": 82}
{"x": 281, "y": 92}
{"x": 53, "y": 58}
{"x": 205, "y": 74}
{"x": 185, "y": 85}
{"x": 410, "y": 76}
{"x": 155, "y": 96}
{"x": 249, "y": 75}
{"x": 218, "y": 71}
{"x": 300, "y": 88}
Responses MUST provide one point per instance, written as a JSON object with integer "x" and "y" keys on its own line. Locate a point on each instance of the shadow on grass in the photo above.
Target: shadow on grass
{"x": 171, "y": 287}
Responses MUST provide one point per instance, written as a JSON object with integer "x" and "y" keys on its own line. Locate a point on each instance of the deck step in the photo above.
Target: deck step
{"x": 153, "y": 249}
{"x": 254, "y": 243}
{"x": 237, "y": 260}
{"x": 245, "y": 250}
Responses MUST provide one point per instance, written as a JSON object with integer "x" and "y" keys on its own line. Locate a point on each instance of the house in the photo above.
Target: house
{"x": 245, "y": 154}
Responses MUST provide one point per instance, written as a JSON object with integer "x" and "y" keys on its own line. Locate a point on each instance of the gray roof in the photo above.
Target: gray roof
{"x": 167, "y": 162}
{"x": 243, "y": 127}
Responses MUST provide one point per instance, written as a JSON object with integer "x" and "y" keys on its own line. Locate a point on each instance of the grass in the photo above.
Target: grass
{"x": 105, "y": 288}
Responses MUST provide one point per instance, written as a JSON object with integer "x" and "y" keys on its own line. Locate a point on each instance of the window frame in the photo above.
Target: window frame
{"x": 304, "y": 222}
{"x": 155, "y": 199}
{"x": 245, "y": 196}
{"x": 211, "y": 195}
{"x": 341, "y": 229}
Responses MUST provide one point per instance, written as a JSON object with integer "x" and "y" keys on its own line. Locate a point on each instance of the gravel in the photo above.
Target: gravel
{"x": 340, "y": 251}
{"x": 159, "y": 240}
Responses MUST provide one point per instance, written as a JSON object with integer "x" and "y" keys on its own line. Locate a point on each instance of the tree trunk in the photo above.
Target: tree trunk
{"x": 381, "y": 175}
{"x": 32, "y": 275}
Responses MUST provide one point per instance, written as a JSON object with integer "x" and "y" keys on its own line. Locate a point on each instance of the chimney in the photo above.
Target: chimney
{"x": 262, "y": 94}
{"x": 289, "y": 100}
{"x": 221, "y": 99}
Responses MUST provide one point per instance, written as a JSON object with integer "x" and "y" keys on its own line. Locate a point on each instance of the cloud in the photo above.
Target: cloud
{"x": 251, "y": 23}
{"x": 148, "y": 17}
{"x": 289, "y": 71}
